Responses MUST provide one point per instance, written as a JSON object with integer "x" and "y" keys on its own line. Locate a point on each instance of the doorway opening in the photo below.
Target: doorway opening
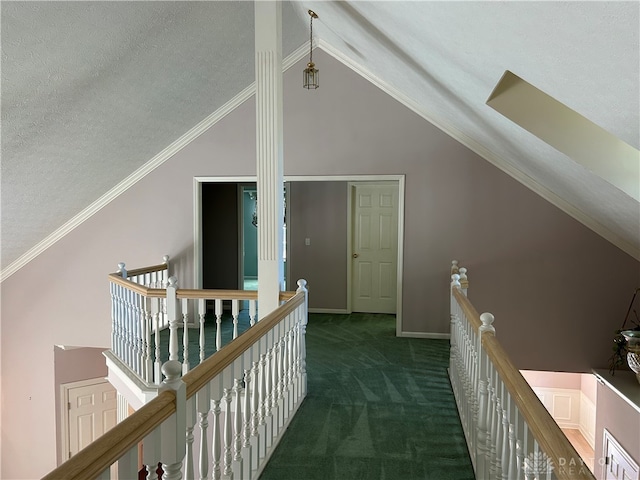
{"x": 318, "y": 243}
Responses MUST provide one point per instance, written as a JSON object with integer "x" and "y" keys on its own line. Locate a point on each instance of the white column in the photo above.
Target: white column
{"x": 269, "y": 148}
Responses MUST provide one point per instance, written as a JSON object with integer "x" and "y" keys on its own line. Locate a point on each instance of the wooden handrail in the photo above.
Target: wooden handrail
{"x": 96, "y": 457}
{"x": 545, "y": 430}
{"x": 215, "y": 364}
{"x": 106, "y": 450}
{"x": 467, "y": 307}
{"x": 151, "y": 269}
{"x": 213, "y": 293}
{"x": 140, "y": 289}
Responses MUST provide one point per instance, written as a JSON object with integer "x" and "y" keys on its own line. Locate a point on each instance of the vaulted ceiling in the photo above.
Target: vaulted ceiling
{"x": 93, "y": 91}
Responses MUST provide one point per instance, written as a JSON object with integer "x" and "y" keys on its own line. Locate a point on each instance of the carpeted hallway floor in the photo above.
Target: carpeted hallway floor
{"x": 378, "y": 407}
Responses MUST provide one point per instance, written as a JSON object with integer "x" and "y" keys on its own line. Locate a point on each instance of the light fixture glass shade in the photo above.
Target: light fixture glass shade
{"x": 311, "y": 76}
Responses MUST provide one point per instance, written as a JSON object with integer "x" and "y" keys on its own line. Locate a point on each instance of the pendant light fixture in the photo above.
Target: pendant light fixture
{"x": 311, "y": 75}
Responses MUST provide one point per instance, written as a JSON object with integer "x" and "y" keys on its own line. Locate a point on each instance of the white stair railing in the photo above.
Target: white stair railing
{"x": 146, "y": 301}
{"x": 509, "y": 432}
{"x": 250, "y": 389}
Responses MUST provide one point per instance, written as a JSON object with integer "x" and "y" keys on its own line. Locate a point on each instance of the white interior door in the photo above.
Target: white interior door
{"x": 92, "y": 410}
{"x": 618, "y": 463}
{"x": 375, "y": 247}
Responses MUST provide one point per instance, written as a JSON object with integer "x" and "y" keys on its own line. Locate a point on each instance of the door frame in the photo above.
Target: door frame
{"x": 400, "y": 179}
{"x": 64, "y": 409}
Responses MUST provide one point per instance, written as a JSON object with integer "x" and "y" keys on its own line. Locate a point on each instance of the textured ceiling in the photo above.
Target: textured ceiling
{"x": 93, "y": 90}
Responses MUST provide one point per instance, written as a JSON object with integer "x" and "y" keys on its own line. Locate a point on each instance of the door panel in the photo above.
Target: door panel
{"x": 92, "y": 412}
{"x": 619, "y": 464}
{"x": 374, "y": 247}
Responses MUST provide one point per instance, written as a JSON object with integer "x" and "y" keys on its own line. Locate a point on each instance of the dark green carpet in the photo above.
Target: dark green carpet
{"x": 378, "y": 407}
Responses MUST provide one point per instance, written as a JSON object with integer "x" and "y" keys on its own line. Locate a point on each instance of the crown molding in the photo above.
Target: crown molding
{"x": 144, "y": 170}
{"x": 488, "y": 155}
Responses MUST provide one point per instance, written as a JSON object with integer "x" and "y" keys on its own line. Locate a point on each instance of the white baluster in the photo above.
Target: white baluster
{"x": 504, "y": 460}
{"x": 215, "y": 442}
{"x": 218, "y": 312}
{"x": 498, "y": 437}
{"x": 268, "y": 404}
{"x": 148, "y": 352}
{"x": 519, "y": 458}
{"x": 273, "y": 380}
{"x": 513, "y": 454}
{"x": 128, "y": 464}
{"x": 151, "y": 454}
{"x": 234, "y": 313}
{"x": 237, "y": 420}
{"x": 255, "y": 402}
{"x": 157, "y": 364}
{"x": 482, "y": 454}
{"x": 246, "y": 407}
{"x": 172, "y": 313}
{"x": 185, "y": 336}
{"x": 189, "y": 470}
{"x": 202, "y": 404}
{"x": 227, "y": 432}
{"x": 302, "y": 284}
{"x": 263, "y": 389}
{"x": 252, "y": 312}
{"x": 201, "y": 315}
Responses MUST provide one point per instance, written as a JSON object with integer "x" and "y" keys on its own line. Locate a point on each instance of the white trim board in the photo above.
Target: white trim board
{"x": 340, "y": 311}
{"x": 485, "y": 153}
{"x": 430, "y": 336}
{"x": 144, "y": 170}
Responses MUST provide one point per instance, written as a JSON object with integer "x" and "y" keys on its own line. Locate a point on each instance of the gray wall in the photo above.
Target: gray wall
{"x": 622, "y": 421}
{"x": 318, "y": 211}
{"x": 557, "y": 289}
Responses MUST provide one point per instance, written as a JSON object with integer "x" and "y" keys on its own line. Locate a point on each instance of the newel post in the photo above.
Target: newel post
{"x": 172, "y": 313}
{"x": 122, "y": 270}
{"x": 464, "y": 281}
{"x": 483, "y": 449}
{"x": 173, "y": 430}
{"x": 302, "y": 288}
{"x": 453, "y": 310}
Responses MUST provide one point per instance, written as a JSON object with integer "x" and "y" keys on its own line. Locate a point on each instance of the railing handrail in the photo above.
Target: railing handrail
{"x": 99, "y": 455}
{"x": 137, "y": 288}
{"x": 540, "y": 422}
{"x": 143, "y": 270}
{"x": 191, "y": 293}
{"x": 215, "y": 364}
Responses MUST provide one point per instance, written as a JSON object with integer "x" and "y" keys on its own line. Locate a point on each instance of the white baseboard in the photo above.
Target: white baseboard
{"x": 433, "y": 336}
{"x": 328, "y": 310}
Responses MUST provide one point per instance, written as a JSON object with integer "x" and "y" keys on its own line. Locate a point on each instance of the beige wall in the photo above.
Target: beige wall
{"x": 558, "y": 290}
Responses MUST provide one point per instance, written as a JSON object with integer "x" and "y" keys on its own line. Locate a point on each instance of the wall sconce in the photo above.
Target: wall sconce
{"x": 311, "y": 75}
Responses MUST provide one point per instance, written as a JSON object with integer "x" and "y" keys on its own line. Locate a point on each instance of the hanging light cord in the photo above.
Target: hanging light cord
{"x": 311, "y": 38}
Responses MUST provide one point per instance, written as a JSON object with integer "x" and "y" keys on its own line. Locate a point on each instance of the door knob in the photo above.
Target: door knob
{"x": 356, "y": 255}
